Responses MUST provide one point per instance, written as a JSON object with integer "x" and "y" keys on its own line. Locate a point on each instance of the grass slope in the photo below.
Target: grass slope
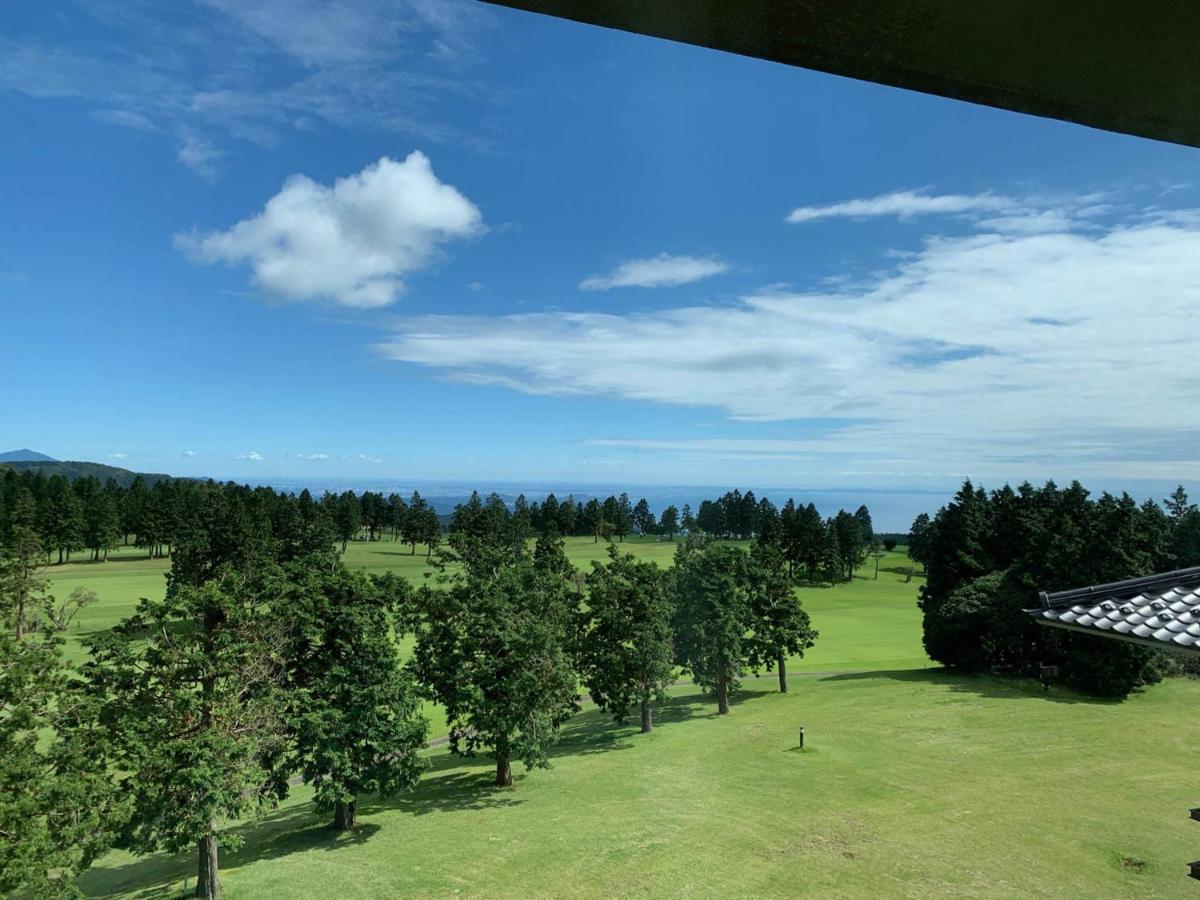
{"x": 914, "y": 783}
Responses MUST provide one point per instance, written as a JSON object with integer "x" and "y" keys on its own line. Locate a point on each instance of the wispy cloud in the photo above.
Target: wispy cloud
{"x": 352, "y": 243}
{"x": 252, "y": 456}
{"x": 904, "y": 205}
{"x": 200, "y": 156}
{"x": 255, "y": 69}
{"x": 663, "y": 270}
{"x": 996, "y": 348}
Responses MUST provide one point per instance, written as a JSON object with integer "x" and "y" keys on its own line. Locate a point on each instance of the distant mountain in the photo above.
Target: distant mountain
{"x": 73, "y": 470}
{"x": 25, "y": 455}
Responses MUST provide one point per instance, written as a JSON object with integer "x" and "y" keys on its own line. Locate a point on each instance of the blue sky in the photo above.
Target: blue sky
{"x": 441, "y": 240}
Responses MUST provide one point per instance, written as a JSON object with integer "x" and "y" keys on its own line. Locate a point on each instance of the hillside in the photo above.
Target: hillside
{"x": 25, "y": 455}
{"x": 77, "y": 469}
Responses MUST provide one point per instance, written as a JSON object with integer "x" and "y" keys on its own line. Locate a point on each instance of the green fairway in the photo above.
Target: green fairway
{"x": 914, "y": 782}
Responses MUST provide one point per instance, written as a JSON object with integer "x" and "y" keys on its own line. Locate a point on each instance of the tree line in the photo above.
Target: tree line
{"x": 267, "y": 658}
{"x": 987, "y": 555}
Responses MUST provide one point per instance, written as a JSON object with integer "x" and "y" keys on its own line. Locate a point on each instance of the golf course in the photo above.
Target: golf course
{"x": 912, "y": 781}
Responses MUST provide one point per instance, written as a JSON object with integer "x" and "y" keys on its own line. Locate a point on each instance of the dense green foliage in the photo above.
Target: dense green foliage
{"x": 624, "y": 648}
{"x": 57, "y": 806}
{"x": 989, "y": 554}
{"x": 190, "y": 696}
{"x": 493, "y": 649}
{"x": 352, "y": 710}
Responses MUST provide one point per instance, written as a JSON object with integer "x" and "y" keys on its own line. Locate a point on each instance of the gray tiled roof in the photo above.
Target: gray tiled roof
{"x": 1158, "y": 610}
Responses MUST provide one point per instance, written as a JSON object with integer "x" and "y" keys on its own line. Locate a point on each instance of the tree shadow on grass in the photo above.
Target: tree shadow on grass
{"x": 992, "y": 687}
{"x": 296, "y": 829}
{"x": 451, "y": 784}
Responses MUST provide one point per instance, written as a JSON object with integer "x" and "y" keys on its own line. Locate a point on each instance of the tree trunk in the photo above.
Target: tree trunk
{"x": 208, "y": 875}
{"x": 722, "y": 692}
{"x": 503, "y": 769}
{"x": 647, "y": 716}
{"x": 345, "y": 815}
{"x": 414, "y": 549}
{"x": 781, "y": 662}
{"x": 60, "y": 555}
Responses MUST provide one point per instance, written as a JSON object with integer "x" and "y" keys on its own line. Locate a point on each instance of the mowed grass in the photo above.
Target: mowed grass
{"x": 914, "y": 782}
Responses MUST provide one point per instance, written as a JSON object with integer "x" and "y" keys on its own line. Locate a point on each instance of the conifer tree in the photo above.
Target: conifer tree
{"x": 624, "y": 651}
{"x": 492, "y": 648}
{"x": 353, "y": 711}
{"x": 781, "y": 627}
{"x": 191, "y": 701}
{"x": 713, "y": 614}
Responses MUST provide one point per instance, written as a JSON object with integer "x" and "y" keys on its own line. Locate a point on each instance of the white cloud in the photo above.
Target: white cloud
{"x": 253, "y": 456}
{"x": 1009, "y": 351}
{"x": 310, "y": 457}
{"x": 200, "y": 156}
{"x": 663, "y": 270}
{"x": 189, "y": 453}
{"x": 352, "y": 243}
{"x": 905, "y": 205}
{"x": 369, "y": 459}
{"x": 118, "y": 456}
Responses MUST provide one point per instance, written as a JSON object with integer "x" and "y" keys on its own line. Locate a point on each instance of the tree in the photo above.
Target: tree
{"x": 416, "y": 522}
{"x": 101, "y": 523}
{"x": 353, "y": 711}
{"x": 347, "y": 517}
{"x": 589, "y": 519}
{"x": 919, "y": 537}
{"x": 191, "y": 701}
{"x": 863, "y": 515}
{"x": 643, "y": 518}
{"x": 990, "y": 555}
{"x": 492, "y": 648}
{"x": 19, "y": 581}
{"x": 62, "y": 519}
{"x": 713, "y": 614}
{"x": 850, "y": 541}
{"x": 781, "y": 627}
{"x": 623, "y": 521}
{"x": 58, "y": 808}
{"x": 624, "y": 652}
{"x": 688, "y": 521}
{"x": 877, "y": 552}
{"x": 668, "y": 523}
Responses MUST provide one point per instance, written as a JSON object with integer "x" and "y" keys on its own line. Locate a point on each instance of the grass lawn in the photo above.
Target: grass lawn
{"x": 913, "y": 783}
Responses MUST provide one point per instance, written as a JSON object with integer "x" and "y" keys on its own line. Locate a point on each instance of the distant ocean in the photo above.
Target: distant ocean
{"x": 890, "y": 510}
